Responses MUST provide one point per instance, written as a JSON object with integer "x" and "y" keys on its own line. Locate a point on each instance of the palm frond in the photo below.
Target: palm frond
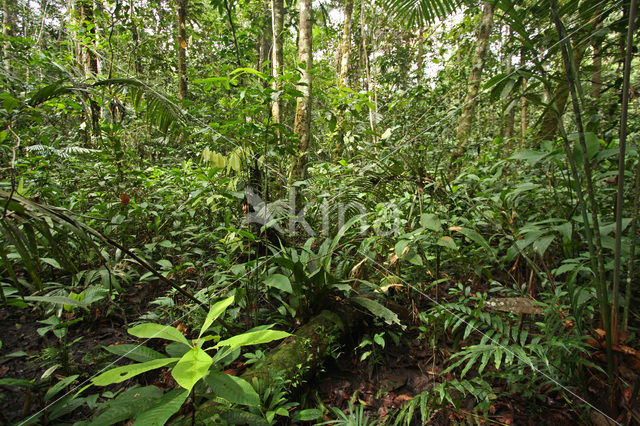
{"x": 21, "y": 217}
{"x": 160, "y": 110}
{"x": 423, "y": 12}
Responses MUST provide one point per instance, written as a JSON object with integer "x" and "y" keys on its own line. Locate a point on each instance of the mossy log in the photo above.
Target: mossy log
{"x": 293, "y": 359}
{"x": 297, "y": 356}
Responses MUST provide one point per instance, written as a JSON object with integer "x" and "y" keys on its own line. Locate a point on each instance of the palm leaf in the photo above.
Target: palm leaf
{"x": 160, "y": 111}
{"x": 422, "y": 12}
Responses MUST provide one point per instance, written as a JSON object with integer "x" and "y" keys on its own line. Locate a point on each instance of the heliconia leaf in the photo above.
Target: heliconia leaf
{"x": 253, "y": 338}
{"x": 120, "y": 374}
{"x": 163, "y": 409}
{"x": 430, "y": 221}
{"x": 377, "y": 309}
{"x": 233, "y": 389}
{"x": 135, "y": 352}
{"x": 151, "y": 330}
{"x": 60, "y": 300}
{"x": 59, "y": 386}
{"x": 447, "y": 242}
{"x": 215, "y": 311}
{"x": 279, "y": 281}
{"x": 193, "y": 366}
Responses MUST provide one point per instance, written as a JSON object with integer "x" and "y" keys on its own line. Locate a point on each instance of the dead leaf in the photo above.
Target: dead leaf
{"x": 520, "y": 305}
{"x": 357, "y": 272}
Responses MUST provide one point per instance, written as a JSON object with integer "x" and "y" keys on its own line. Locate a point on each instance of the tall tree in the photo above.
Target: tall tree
{"x": 182, "y": 48}
{"x": 345, "y": 48}
{"x": 264, "y": 40}
{"x": 135, "y": 37}
{"x": 482, "y": 44}
{"x": 86, "y": 52}
{"x": 277, "y": 26}
{"x": 302, "y": 124}
{"x": 7, "y": 31}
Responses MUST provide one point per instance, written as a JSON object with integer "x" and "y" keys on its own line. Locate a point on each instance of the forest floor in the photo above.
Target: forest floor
{"x": 381, "y": 384}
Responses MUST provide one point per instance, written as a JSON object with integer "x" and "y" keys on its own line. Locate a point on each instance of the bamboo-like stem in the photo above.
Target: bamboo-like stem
{"x": 602, "y": 285}
{"x": 621, "y": 166}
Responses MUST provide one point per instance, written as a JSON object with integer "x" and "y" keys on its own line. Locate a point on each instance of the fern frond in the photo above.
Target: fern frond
{"x": 160, "y": 110}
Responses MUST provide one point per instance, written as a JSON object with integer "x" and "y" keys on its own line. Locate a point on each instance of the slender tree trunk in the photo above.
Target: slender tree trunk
{"x": 302, "y": 125}
{"x": 482, "y": 44}
{"x": 510, "y": 118}
{"x": 277, "y": 25}
{"x": 87, "y": 54}
{"x": 523, "y": 110}
{"x": 596, "y": 82}
{"x": 264, "y": 44}
{"x": 343, "y": 79}
{"x": 367, "y": 67}
{"x": 136, "y": 39}
{"x": 7, "y": 31}
{"x": 420, "y": 58}
{"x": 182, "y": 48}
{"x": 549, "y": 123}
{"x": 87, "y": 46}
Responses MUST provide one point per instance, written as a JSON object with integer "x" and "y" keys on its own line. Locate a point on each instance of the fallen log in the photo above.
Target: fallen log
{"x": 293, "y": 359}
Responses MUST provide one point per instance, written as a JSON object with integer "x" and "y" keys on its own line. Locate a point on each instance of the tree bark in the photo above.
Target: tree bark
{"x": 549, "y": 123}
{"x": 136, "y": 39}
{"x": 343, "y": 78}
{"x": 182, "y": 48}
{"x": 523, "y": 103}
{"x": 87, "y": 52}
{"x": 7, "y": 31}
{"x": 482, "y": 44}
{"x": 367, "y": 66}
{"x": 265, "y": 41}
{"x": 302, "y": 124}
{"x": 277, "y": 25}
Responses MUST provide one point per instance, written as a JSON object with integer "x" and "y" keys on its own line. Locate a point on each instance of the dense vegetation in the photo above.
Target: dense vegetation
{"x": 269, "y": 212}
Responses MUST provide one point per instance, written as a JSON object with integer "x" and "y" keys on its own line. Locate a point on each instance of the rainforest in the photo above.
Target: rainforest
{"x": 333, "y": 212}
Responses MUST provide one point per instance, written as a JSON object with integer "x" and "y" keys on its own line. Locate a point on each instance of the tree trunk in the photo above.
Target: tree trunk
{"x": 7, "y": 31}
{"x": 367, "y": 66}
{"x": 87, "y": 55}
{"x": 277, "y": 25}
{"x": 136, "y": 39}
{"x": 343, "y": 78}
{"x": 302, "y": 125}
{"x": 523, "y": 103}
{"x": 87, "y": 52}
{"x": 549, "y": 123}
{"x": 420, "y": 59}
{"x": 182, "y": 48}
{"x": 468, "y": 111}
{"x": 509, "y": 119}
{"x": 264, "y": 43}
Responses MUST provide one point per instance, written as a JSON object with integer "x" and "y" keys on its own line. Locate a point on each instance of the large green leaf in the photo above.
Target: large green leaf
{"x": 377, "y": 309}
{"x": 279, "y": 281}
{"x": 127, "y": 405}
{"x": 215, "y": 311}
{"x": 430, "y": 221}
{"x": 233, "y": 389}
{"x": 59, "y": 300}
{"x": 120, "y": 374}
{"x": 135, "y": 352}
{"x": 253, "y": 338}
{"x": 151, "y": 330}
{"x": 193, "y": 366}
{"x": 163, "y": 409}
